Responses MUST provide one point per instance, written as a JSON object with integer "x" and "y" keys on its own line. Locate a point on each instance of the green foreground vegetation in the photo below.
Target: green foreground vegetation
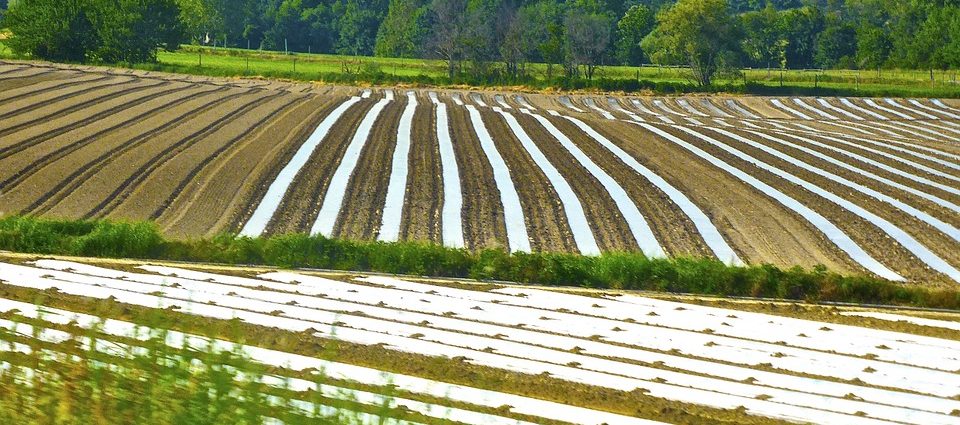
{"x": 631, "y": 271}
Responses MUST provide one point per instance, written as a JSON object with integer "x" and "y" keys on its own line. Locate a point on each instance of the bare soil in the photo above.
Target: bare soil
{"x": 423, "y": 202}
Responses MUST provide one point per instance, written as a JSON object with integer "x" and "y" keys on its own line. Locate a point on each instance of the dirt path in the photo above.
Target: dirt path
{"x": 869, "y": 237}
{"x": 176, "y": 169}
{"x": 221, "y": 196}
{"x": 424, "y": 198}
{"x": 82, "y": 154}
{"x": 676, "y": 233}
{"x": 607, "y": 223}
{"x": 546, "y": 221}
{"x": 301, "y": 205}
{"x": 105, "y": 187}
{"x": 483, "y": 219}
{"x": 362, "y": 209}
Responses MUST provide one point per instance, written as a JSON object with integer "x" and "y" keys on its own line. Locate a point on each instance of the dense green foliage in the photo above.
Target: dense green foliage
{"x": 497, "y": 39}
{"x": 93, "y": 30}
{"x": 613, "y": 270}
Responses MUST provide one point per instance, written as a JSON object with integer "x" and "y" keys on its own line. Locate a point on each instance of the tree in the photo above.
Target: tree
{"x": 448, "y": 25}
{"x": 636, "y": 23}
{"x": 700, "y": 33}
{"x": 403, "y": 29}
{"x": 357, "y": 27}
{"x": 802, "y": 26}
{"x": 765, "y": 41}
{"x": 57, "y": 30}
{"x": 587, "y": 36}
{"x": 873, "y": 47}
{"x": 837, "y": 46}
{"x": 132, "y": 30}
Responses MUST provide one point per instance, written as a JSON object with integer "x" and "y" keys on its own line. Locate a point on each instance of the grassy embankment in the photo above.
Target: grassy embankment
{"x": 613, "y": 270}
{"x": 221, "y": 62}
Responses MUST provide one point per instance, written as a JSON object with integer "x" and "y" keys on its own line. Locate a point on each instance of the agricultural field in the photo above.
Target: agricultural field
{"x": 858, "y": 185}
{"x": 413, "y": 350}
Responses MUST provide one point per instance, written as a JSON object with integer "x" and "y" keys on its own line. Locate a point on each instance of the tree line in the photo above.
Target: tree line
{"x": 499, "y": 38}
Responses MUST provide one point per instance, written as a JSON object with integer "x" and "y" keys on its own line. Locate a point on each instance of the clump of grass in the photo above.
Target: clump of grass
{"x": 623, "y": 270}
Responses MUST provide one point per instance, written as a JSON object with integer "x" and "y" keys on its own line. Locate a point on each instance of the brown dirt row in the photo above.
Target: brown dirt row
{"x": 879, "y": 171}
{"x": 483, "y": 219}
{"x": 122, "y": 171}
{"x": 547, "y": 224}
{"x": 918, "y": 202}
{"x": 31, "y": 136}
{"x": 423, "y": 202}
{"x": 48, "y": 107}
{"x": 756, "y": 226}
{"x": 150, "y": 196}
{"x": 924, "y": 233}
{"x": 301, "y": 204}
{"x": 609, "y": 228}
{"x": 362, "y": 211}
{"x": 673, "y": 229}
{"x": 868, "y": 236}
{"x": 762, "y": 107}
{"x": 221, "y": 196}
{"x": 22, "y": 157}
{"x": 33, "y": 86}
{"x": 13, "y": 77}
{"x": 78, "y": 161}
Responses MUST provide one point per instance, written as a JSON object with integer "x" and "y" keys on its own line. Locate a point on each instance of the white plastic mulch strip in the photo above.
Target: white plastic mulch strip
{"x": 451, "y": 214}
{"x": 843, "y": 164}
{"x": 945, "y": 113}
{"x": 925, "y": 126}
{"x": 722, "y": 123}
{"x": 366, "y": 94}
{"x": 267, "y": 207}
{"x": 523, "y": 102}
{"x": 896, "y": 104}
{"x": 708, "y": 103}
{"x": 517, "y": 238}
{"x": 736, "y": 106}
{"x": 337, "y": 190}
{"x": 641, "y": 230}
{"x": 459, "y": 310}
{"x": 397, "y": 187}
{"x": 830, "y": 230}
{"x": 593, "y": 105}
{"x": 616, "y": 106}
{"x": 814, "y": 109}
{"x": 663, "y": 107}
{"x": 823, "y": 102}
{"x": 642, "y": 108}
{"x": 566, "y": 102}
{"x": 639, "y": 227}
{"x": 910, "y": 149}
{"x": 288, "y": 361}
{"x": 939, "y": 103}
{"x": 947, "y": 229}
{"x": 846, "y": 102}
{"x": 478, "y": 100}
{"x": 457, "y": 99}
{"x": 388, "y": 95}
{"x": 502, "y": 101}
{"x": 685, "y": 104}
{"x": 791, "y": 111}
{"x": 894, "y": 170}
{"x": 932, "y": 323}
{"x": 573, "y": 209}
{"x": 780, "y": 404}
{"x": 898, "y": 126}
{"x": 903, "y": 238}
{"x": 878, "y": 107}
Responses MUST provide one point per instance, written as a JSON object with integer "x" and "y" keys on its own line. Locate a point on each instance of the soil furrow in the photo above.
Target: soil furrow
{"x": 361, "y": 213}
{"x": 115, "y": 199}
{"x": 127, "y": 137}
{"x": 30, "y": 87}
{"x": 674, "y": 230}
{"x": 424, "y": 198}
{"x": 606, "y": 221}
{"x": 218, "y": 198}
{"x": 30, "y": 159}
{"x": 301, "y": 204}
{"x": 546, "y": 220}
{"x": 483, "y": 218}
{"x": 869, "y": 237}
{"x": 149, "y": 198}
{"x": 70, "y": 122}
{"x": 62, "y": 105}
{"x": 758, "y": 227}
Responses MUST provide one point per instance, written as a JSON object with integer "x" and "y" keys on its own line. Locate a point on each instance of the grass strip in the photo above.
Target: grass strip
{"x": 617, "y": 270}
